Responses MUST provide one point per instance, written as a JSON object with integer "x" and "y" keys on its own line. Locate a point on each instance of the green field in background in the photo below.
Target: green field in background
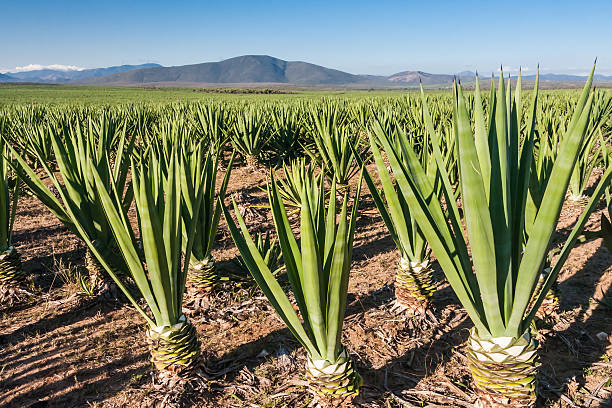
{"x": 96, "y": 95}
{"x": 45, "y": 94}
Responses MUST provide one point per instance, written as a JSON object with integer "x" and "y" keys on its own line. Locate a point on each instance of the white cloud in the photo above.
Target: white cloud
{"x": 36, "y": 67}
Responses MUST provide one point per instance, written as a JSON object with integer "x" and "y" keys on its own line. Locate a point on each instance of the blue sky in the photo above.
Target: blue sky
{"x": 374, "y": 37}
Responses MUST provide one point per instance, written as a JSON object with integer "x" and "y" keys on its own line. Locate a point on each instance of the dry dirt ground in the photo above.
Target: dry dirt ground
{"x": 62, "y": 350}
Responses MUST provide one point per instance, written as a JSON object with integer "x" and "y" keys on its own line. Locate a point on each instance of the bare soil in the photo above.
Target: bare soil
{"x": 59, "y": 349}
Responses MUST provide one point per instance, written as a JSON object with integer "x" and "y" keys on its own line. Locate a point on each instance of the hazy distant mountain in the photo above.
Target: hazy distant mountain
{"x": 55, "y": 76}
{"x": 263, "y": 70}
{"x": 415, "y": 77}
{"x": 466, "y": 75}
{"x": 245, "y": 69}
{"x": 6, "y": 78}
{"x": 567, "y": 78}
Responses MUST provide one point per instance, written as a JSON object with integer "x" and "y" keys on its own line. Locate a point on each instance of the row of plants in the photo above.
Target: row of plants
{"x": 461, "y": 181}
{"x": 275, "y": 133}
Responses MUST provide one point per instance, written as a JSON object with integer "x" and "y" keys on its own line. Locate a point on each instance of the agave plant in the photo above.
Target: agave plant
{"x": 414, "y": 283}
{"x": 286, "y": 140}
{"x": 495, "y": 284}
{"x": 545, "y": 152}
{"x": 332, "y": 144}
{"x": 589, "y": 158}
{"x": 269, "y": 250}
{"x": 249, "y": 134}
{"x": 73, "y": 197}
{"x": 33, "y": 139}
{"x": 605, "y": 222}
{"x": 318, "y": 271}
{"x": 210, "y": 123}
{"x": 155, "y": 262}
{"x": 11, "y": 273}
{"x": 201, "y": 179}
{"x": 590, "y": 153}
{"x": 290, "y": 188}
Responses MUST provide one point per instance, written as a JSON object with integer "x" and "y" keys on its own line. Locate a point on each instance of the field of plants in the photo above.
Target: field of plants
{"x": 419, "y": 249}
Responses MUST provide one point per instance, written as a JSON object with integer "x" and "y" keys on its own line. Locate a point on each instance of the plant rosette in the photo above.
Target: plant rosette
{"x": 504, "y": 369}
{"x": 334, "y": 383}
{"x": 174, "y": 349}
{"x": 203, "y": 274}
{"x": 10, "y": 266}
{"x": 414, "y": 285}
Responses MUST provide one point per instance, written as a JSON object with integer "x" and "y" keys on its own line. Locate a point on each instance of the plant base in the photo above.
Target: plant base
{"x": 11, "y": 278}
{"x": 11, "y": 273}
{"x": 252, "y": 162}
{"x": 174, "y": 349}
{"x": 334, "y": 384}
{"x": 203, "y": 275}
{"x": 414, "y": 286}
{"x": 579, "y": 199}
{"x": 100, "y": 282}
{"x": 504, "y": 370}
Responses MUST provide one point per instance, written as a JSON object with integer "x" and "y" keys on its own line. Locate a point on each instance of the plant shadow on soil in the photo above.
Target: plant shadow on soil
{"x": 46, "y": 350}
{"x": 569, "y": 354}
{"x": 417, "y": 359}
{"x": 403, "y": 374}
{"x": 398, "y": 374}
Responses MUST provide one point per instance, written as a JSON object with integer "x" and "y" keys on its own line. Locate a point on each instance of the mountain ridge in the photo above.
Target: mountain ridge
{"x": 263, "y": 69}
{"x": 242, "y": 69}
{"x": 258, "y": 70}
{"x": 6, "y": 78}
{"x": 268, "y": 70}
{"x": 61, "y": 76}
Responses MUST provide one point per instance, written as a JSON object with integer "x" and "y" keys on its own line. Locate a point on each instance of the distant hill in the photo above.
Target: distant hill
{"x": 58, "y": 76}
{"x": 567, "y": 78}
{"x": 6, "y": 78}
{"x": 415, "y": 77}
{"x": 245, "y": 69}
{"x": 264, "y": 70}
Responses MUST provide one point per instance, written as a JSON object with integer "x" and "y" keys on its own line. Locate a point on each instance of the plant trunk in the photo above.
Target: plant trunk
{"x": 251, "y": 161}
{"x": 11, "y": 278}
{"x": 414, "y": 285}
{"x": 11, "y": 273}
{"x": 203, "y": 274}
{"x": 334, "y": 384}
{"x": 174, "y": 349}
{"x": 504, "y": 370}
{"x": 100, "y": 281}
{"x": 579, "y": 199}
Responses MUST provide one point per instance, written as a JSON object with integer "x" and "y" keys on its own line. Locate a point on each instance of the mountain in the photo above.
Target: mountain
{"x": 567, "y": 78}
{"x": 244, "y": 69}
{"x": 263, "y": 69}
{"x": 6, "y": 78}
{"x": 415, "y": 77}
{"x": 55, "y": 76}
{"x": 466, "y": 75}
